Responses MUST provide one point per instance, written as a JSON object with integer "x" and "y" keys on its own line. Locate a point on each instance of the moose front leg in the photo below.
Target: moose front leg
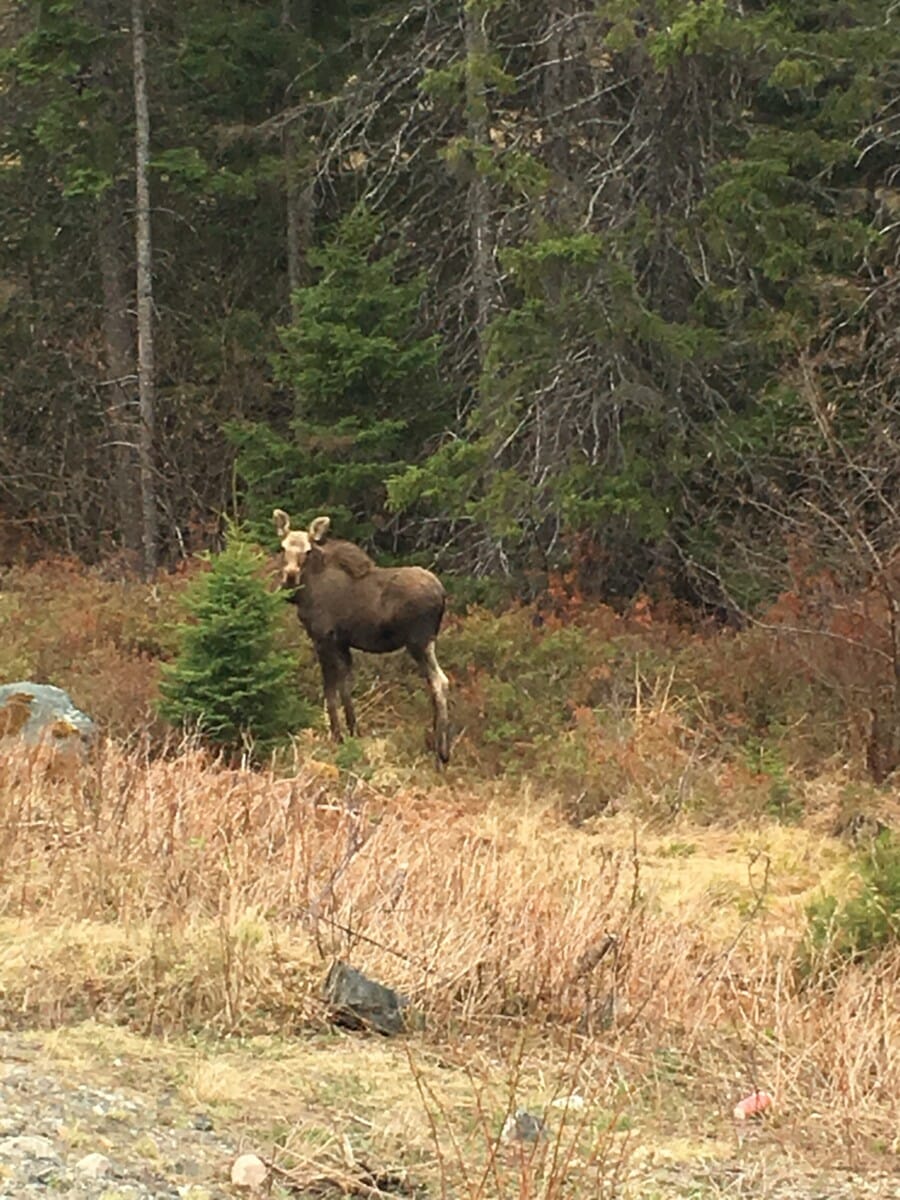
{"x": 329, "y": 661}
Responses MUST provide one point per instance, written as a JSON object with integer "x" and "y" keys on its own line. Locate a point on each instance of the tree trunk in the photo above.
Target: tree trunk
{"x": 480, "y": 225}
{"x": 299, "y": 185}
{"x": 556, "y": 87}
{"x": 300, "y": 209}
{"x": 118, "y": 336}
{"x": 146, "y": 382}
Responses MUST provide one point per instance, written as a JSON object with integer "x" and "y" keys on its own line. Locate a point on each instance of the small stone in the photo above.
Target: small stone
{"x": 249, "y": 1171}
{"x": 524, "y": 1127}
{"x": 28, "y": 1146}
{"x": 94, "y": 1166}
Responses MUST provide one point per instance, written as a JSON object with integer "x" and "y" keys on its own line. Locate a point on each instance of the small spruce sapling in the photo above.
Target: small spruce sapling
{"x": 230, "y": 681}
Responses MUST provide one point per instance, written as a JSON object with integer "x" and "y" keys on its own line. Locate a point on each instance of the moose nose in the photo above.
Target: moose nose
{"x": 290, "y": 579}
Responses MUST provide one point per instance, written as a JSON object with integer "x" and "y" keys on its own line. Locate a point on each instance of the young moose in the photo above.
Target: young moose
{"x": 345, "y": 602}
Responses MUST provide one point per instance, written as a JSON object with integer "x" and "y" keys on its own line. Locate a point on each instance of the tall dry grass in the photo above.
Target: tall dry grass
{"x": 173, "y": 893}
{"x": 268, "y": 876}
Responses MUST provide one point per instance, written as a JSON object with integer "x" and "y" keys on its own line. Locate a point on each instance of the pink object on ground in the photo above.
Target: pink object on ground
{"x": 753, "y": 1105}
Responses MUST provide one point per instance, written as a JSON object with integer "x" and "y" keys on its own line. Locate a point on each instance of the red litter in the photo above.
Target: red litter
{"x": 753, "y": 1105}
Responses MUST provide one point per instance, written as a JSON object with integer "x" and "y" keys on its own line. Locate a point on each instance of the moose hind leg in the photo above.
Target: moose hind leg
{"x": 439, "y": 686}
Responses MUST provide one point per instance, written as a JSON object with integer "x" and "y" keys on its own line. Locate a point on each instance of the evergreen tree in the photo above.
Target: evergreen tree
{"x": 365, "y": 384}
{"x": 230, "y": 681}
{"x": 641, "y": 379}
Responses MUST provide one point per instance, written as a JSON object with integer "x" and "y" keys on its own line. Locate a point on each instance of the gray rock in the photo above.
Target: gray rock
{"x": 357, "y": 1002}
{"x": 38, "y": 714}
{"x": 29, "y": 1162}
{"x": 27, "y": 1146}
{"x": 93, "y": 1166}
{"x": 523, "y": 1126}
{"x": 37, "y": 1109}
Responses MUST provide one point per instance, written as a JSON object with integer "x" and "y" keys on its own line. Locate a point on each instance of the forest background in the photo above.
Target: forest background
{"x": 507, "y": 286}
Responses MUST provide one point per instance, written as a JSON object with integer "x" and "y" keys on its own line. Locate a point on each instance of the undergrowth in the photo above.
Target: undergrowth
{"x": 646, "y": 708}
{"x": 177, "y": 895}
{"x": 863, "y": 925}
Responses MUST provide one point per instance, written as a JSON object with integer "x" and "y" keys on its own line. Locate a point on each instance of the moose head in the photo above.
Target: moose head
{"x": 296, "y": 545}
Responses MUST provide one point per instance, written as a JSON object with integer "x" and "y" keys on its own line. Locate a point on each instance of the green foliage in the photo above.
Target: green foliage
{"x": 765, "y": 758}
{"x": 690, "y": 31}
{"x": 230, "y": 681}
{"x": 364, "y": 381}
{"x": 663, "y": 251}
{"x": 181, "y": 165}
{"x": 350, "y": 756}
{"x": 857, "y": 929}
{"x": 74, "y": 127}
{"x": 521, "y": 173}
{"x": 525, "y": 682}
{"x": 568, "y": 285}
{"x": 449, "y": 83}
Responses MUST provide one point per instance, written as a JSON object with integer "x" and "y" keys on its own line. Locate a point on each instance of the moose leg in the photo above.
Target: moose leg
{"x": 439, "y": 686}
{"x": 345, "y": 684}
{"x": 331, "y": 678}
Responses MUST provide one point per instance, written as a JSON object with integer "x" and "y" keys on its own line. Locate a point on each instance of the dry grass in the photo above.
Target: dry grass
{"x": 175, "y": 896}
{"x": 267, "y": 876}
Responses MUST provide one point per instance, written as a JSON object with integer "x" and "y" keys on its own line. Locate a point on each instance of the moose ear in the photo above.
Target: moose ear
{"x": 318, "y": 530}
{"x": 282, "y": 522}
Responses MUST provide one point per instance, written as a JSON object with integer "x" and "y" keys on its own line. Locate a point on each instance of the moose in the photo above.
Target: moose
{"x": 345, "y": 602}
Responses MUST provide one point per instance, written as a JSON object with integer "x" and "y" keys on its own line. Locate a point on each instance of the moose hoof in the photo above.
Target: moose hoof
{"x": 439, "y": 747}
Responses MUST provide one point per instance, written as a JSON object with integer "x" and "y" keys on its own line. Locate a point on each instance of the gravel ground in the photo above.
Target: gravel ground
{"x": 65, "y": 1137}
{"x": 92, "y": 1143}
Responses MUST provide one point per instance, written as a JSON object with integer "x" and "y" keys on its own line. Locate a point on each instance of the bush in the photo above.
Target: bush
{"x": 230, "y": 681}
{"x": 857, "y": 929}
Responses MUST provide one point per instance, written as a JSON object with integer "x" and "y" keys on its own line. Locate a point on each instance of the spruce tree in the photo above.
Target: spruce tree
{"x": 230, "y": 681}
{"x": 365, "y": 383}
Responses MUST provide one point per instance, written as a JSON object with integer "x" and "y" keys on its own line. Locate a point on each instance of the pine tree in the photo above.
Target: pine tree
{"x": 365, "y": 384}
{"x": 230, "y": 681}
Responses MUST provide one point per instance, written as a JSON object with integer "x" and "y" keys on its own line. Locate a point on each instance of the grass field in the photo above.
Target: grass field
{"x": 603, "y": 897}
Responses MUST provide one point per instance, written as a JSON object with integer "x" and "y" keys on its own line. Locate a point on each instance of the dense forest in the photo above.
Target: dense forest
{"x": 503, "y": 285}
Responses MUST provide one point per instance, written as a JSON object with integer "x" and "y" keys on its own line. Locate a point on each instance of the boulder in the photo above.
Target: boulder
{"x": 360, "y": 1003}
{"x": 40, "y": 715}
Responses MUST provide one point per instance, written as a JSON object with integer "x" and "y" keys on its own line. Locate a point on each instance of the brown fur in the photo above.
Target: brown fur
{"x": 345, "y": 555}
{"x": 345, "y": 602}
